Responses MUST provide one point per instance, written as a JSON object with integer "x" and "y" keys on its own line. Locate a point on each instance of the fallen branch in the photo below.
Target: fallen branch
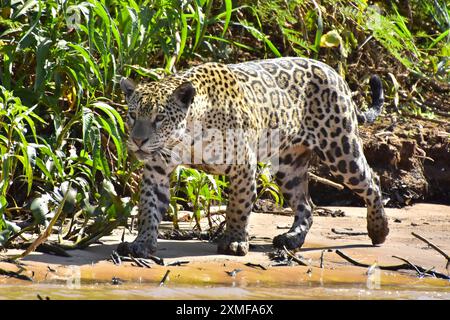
{"x": 413, "y": 266}
{"x": 404, "y": 266}
{"x": 435, "y": 247}
{"x": 294, "y": 257}
{"x": 325, "y": 181}
{"x": 43, "y": 237}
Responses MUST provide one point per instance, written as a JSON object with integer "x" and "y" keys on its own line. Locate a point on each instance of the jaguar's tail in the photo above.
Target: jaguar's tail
{"x": 375, "y": 109}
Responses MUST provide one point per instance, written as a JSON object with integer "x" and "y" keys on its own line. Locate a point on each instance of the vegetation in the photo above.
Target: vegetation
{"x": 62, "y": 137}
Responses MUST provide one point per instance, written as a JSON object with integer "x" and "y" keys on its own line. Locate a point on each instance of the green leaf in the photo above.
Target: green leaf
{"x": 331, "y": 39}
{"x": 30, "y": 4}
{"x": 229, "y": 10}
{"x": 27, "y": 39}
{"x": 39, "y": 208}
{"x": 42, "y": 51}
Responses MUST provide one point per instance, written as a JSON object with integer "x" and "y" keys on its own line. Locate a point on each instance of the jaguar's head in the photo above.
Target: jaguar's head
{"x": 156, "y": 114}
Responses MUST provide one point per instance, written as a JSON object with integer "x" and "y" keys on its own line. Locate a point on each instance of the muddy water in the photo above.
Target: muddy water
{"x": 209, "y": 281}
{"x": 146, "y": 291}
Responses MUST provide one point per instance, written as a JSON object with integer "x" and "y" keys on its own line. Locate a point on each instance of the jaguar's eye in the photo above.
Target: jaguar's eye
{"x": 159, "y": 118}
{"x": 132, "y": 115}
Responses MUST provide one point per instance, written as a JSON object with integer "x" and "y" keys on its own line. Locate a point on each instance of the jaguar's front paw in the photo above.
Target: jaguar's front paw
{"x": 290, "y": 240}
{"x": 235, "y": 247}
{"x": 136, "y": 249}
{"x": 378, "y": 230}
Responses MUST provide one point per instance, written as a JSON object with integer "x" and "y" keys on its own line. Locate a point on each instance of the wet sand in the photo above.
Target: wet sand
{"x": 207, "y": 269}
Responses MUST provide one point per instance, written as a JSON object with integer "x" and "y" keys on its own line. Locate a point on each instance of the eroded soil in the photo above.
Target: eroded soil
{"x": 412, "y": 158}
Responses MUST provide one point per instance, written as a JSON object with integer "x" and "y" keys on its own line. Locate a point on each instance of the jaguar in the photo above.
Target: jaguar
{"x": 305, "y": 107}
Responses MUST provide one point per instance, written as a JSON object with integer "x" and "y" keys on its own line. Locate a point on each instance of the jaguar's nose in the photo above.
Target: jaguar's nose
{"x": 139, "y": 142}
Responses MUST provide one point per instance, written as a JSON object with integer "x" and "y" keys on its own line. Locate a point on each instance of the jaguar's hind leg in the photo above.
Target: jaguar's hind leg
{"x": 345, "y": 157}
{"x": 293, "y": 180}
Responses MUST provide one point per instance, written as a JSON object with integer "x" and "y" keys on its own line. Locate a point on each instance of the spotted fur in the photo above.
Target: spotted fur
{"x": 305, "y": 100}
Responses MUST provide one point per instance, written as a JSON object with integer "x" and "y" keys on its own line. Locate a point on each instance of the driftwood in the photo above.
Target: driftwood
{"x": 404, "y": 266}
{"x": 435, "y": 247}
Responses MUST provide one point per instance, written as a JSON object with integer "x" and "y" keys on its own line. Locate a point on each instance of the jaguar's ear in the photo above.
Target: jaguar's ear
{"x": 127, "y": 86}
{"x": 184, "y": 94}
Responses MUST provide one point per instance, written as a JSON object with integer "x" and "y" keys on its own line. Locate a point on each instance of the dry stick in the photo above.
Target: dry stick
{"x": 435, "y": 247}
{"x": 397, "y": 267}
{"x": 164, "y": 278}
{"x": 325, "y": 181}
{"x": 139, "y": 263}
{"x": 157, "y": 260}
{"x": 113, "y": 258}
{"x": 47, "y": 231}
{"x": 321, "y": 259}
{"x": 145, "y": 263}
{"x": 411, "y": 265}
{"x": 348, "y": 233}
{"x": 178, "y": 263}
{"x": 293, "y": 256}
{"x": 255, "y": 265}
{"x": 116, "y": 257}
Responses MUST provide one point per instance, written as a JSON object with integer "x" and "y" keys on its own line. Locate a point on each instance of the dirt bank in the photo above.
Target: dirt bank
{"x": 412, "y": 158}
{"x": 206, "y": 268}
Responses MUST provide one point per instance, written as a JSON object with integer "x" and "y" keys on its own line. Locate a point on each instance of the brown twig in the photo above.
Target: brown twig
{"x": 349, "y": 232}
{"x": 321, "y": 258}
{"x": 178, "y": 263}
{"x": 413, "y": 266}
{"x": 163, "y": 280}
{"x": 294, "y": 257}
{"x": 325, "y": 181}
{"x": 404, "y": 266}
{"x": 145, "y": 263}
{"x": 157, "y": 260}
{"x": 43, "y": 237}
{"x": 116, "y": 258}
{"x": 255, "y": 265}
{"x": 435, "y": 247}
{"x": 139, "y": 262}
